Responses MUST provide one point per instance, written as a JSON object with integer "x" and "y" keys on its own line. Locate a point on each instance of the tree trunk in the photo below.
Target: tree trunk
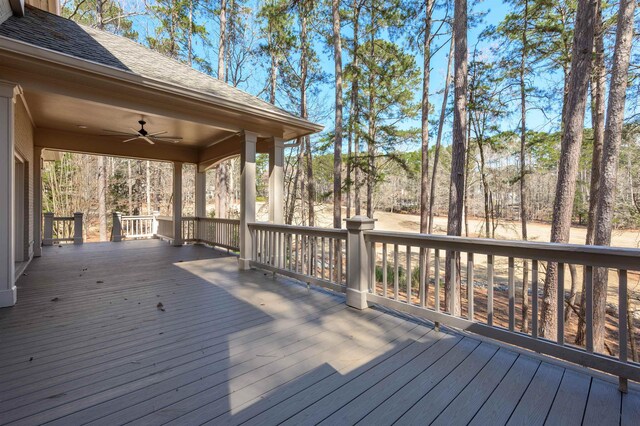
{"x": 102, "y": 198}
{"x": 485, "y": 192}
{"x": 190, "y": 35}
{"x": 576, "y": 100}
{"x": 354, "y": 114}
{"x": 148, "y": 188}
{"x": 426, "y": 74}
{"x": 598, "y": 87}
{"x": 456, "y": 188}
{"x": 130, "y": 187}
{"x": 611, "y": 153}
{"x": 337, "y": 152}
{"x": 371, "y": 139}
{"x": 304, "y": 56}
{"x": 524, "y": 205}
{"x": 436, "y": 155}
{"x": 222, "y": 43}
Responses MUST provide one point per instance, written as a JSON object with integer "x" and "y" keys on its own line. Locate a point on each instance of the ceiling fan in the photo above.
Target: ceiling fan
{"x": 143, "y": 134}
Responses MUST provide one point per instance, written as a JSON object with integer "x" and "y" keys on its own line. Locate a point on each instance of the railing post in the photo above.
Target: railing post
{"x": 47, "y": 240}
{"x": 177, "y": 204}
{"x": 117, "y": 227}
{"x": 77, "y": 228}
{"x": 358, "y": 261}
{"x": 154, "y": 224}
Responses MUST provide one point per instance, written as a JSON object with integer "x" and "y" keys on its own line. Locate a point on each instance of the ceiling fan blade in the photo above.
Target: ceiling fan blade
{"x": 157, "y": 133}
{"x": 166, "y": 137}
{"x": 148, "y": 140}
{"x": 116, "y": 133}
{"x": 132, "y": 139}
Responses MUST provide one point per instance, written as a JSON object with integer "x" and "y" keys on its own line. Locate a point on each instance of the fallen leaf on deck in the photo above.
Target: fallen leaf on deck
{"x": 160, "y": 306}
{"x": 55, "y": 299}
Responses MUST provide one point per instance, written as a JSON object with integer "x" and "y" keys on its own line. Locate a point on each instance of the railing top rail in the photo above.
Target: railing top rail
{"x": 164, "y": 218}
{"x": 306, "y": 230}
{"x": 600, "y": 256}
{"x": 219, "y": 220}
{"x": 146, "y": 216}
{"x": 70, "y": 218}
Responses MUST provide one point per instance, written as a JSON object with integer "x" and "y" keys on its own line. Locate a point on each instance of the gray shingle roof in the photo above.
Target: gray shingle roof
{"x": 49, "y": 31}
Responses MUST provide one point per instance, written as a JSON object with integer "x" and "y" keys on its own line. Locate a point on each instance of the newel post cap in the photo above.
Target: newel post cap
{"x": 360, "y": 223}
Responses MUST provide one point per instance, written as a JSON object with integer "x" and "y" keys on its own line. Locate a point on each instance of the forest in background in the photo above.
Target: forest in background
{"x": 536, "y": 116}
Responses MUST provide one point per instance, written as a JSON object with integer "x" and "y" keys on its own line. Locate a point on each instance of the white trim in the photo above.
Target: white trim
{"x": 8, "y": 92}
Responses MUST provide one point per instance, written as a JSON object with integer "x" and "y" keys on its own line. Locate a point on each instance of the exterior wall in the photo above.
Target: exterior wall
{"x": 5, "y": 10}
{"x": 24, "y": 148}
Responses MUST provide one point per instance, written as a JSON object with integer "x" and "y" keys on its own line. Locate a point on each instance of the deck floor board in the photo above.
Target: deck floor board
{"x": 87, "y": 343}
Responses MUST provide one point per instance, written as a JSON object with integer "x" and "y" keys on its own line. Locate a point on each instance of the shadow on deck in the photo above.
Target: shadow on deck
{"x": 144, "y": 332}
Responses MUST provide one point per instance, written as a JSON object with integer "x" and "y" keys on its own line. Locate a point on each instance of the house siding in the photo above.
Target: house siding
{"x": 23, "y": 137}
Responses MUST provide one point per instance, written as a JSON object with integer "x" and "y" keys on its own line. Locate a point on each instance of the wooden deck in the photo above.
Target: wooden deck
{"x": 143, "y": 332}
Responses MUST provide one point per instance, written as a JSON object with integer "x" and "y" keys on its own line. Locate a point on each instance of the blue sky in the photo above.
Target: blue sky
{"x": 495, "y": 11}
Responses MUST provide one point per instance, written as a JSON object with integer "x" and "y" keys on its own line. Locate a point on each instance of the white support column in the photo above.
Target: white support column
{"x": 77, "y": 228}
{"x": 201, "y": 194}
{"x": 177, "y": 203}
{"x": 37, "y": 201}
{"x": 116, "y": 227}
{"x": 247, "y": 196}
{"x": 276, "y": 181}
{"x": 201, "y": 201}
{"x": 8, "y": 293}
{"x": 47, "y": 240}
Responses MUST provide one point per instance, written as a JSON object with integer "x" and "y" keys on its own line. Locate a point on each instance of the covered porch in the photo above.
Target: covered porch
{"x": 86, "y": 92}
{"x": 182, "y": 336}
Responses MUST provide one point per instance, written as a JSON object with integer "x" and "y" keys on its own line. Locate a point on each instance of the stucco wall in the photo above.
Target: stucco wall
{"x": 24, "y": 147}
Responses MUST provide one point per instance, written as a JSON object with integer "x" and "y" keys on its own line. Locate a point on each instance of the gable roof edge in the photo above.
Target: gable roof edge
{"x": 62, "y": 59}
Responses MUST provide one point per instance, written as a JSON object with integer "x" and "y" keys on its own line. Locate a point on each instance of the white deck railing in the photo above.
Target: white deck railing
{"x": 57, "y": 229}
{"x": 135, "y": 227}
{"x": 312, "y": 255}
{"x": 392, "y": 269}
{"x": 165, "y": 227}
{"x": 414, "y": 247}
{"x": 224, "y": 233}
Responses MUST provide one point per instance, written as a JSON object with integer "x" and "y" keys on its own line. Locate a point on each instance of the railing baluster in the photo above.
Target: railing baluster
{"x": 340, "y": 257}
{"x": 396, "y": 272}
{"x": 436, "y": 285}
{"x": 490, "y": 261}
{"x": 372, "y": 267}
{"x": 470, "y": 310}
{"x": 588, "y": 295}
{"x": 622, "y": 324}
{"x": 322, "y": 258}
{"x": 332, "y": 243}
{"x": 534, "y": 299}
{"x": 452, "y": 286}
{"x": 560, "y": 305}
{"x": 512, "y": 295}
{"x": 298, "y": 252}
{"x": 423, "y": 277}
{"x": 384, "y": 269}
{"x": 408, "y": 277}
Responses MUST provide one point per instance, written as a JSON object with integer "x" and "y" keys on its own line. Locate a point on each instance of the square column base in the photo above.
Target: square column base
{"x": 8, "y": 297}
{"x": 244, "y": 264}
{"x": 357, "y": 299}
